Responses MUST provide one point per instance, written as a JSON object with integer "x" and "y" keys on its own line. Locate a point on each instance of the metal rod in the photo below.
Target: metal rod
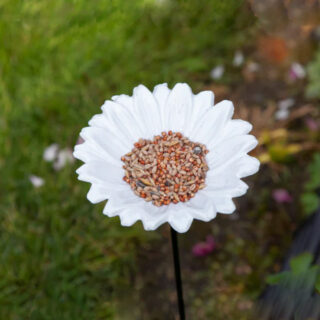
{"x": 175, "y": 251}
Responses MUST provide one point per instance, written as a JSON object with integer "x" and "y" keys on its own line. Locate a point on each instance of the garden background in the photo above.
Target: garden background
{"x": 60, "y": 258}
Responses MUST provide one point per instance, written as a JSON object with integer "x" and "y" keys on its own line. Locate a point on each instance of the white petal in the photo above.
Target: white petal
{"x": 127, "y": 208}
{"x": 180, "y": 220}
{"x": 147, "y": 111}
{"x": 106, "y": 140}
{"x": 224, "y": 205}
{"x": 153, "y": 217}
{"x": 237, "y": 127}
{"x": 119, "y": 201}
{"x": 97, "y": 193}
{"x": 227, "y": 150}
{"x": 121, "y": 120}
{"x": 161, "y": 93}
{"x": 202, "y": 102}
{"x": 212, "y": 123}
{"x": 225, "y": 184}
{"x": 85, "y": 154}
{"x": 129, "y": 216}
{"x": 136, "y": 209}
{"x": 123, "y": 135}
{"x": 102, "y": 173}
{"x": 246, "y": 166}
{"x": 110, "y": 209}
{"x": 202, "y": 207}
{"x": 178, "y": 108}
{"x": 89, "y": 151}
{"x": 99, "y": 121}
{"x": 124, "y": 100}
{"x": 127, "y": 205}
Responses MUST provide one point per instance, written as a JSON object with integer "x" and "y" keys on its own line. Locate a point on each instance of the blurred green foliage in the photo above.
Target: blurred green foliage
{"x": 300, "y": 268}
{"x": 313, "y": 69}
{"x": 310, "y": 199}
{"x": 318, "y": 284}
{"x": 59, "y": 60}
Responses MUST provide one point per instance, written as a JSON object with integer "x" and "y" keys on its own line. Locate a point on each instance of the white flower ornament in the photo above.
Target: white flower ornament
{"x": 125, "y": 120}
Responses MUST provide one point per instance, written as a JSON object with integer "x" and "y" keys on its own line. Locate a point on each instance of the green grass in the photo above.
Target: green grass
{"x": 59, "y": 60}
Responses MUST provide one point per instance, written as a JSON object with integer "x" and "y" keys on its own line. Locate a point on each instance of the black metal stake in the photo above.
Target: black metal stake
{"x": 175, "y": 251}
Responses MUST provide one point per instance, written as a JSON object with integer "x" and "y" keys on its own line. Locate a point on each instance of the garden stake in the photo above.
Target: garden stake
{"x": 175, "y": 251}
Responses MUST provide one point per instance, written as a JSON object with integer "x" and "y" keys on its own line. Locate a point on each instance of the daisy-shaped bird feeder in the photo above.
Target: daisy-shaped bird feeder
{"x": 166, "y": 156}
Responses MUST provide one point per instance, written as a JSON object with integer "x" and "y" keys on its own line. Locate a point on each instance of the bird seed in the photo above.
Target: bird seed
{"x": 168, "y": 169}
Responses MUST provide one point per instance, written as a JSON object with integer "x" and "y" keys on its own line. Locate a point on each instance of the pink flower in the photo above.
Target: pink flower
{"x": 312, "y": 124}
{"x": 36, "y": 181}
{"x": 202, "y": 249}
{"x": 282, "y": 196}
{"x": 80, "y": 141}
{"x": 296, "y": 71}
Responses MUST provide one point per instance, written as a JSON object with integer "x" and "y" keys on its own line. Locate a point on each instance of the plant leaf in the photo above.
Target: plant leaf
{"x": 278, "y": 278}
{"x": 301, "y": 263}
{"x": 314, "y": 169}
{"x": 317, "y": 284}
{"x": 310, "y": 202}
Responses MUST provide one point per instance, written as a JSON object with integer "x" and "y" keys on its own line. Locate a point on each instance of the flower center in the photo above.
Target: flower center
{"x": 168, "y": 169}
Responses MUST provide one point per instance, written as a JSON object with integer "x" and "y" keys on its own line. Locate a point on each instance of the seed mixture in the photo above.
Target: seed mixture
{"x": 168, "y": 169}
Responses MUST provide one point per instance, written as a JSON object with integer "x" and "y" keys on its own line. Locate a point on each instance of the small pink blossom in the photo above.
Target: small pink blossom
{"x": 79, "y": 141}
{"x": 36, "y": 181}
{"x": 64, "y": 157}
{"x": 282, "y": 196}
{"x": 312, "y": 124}
{"x": 297, "y": 71}
{"x": 202, "y": 249}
